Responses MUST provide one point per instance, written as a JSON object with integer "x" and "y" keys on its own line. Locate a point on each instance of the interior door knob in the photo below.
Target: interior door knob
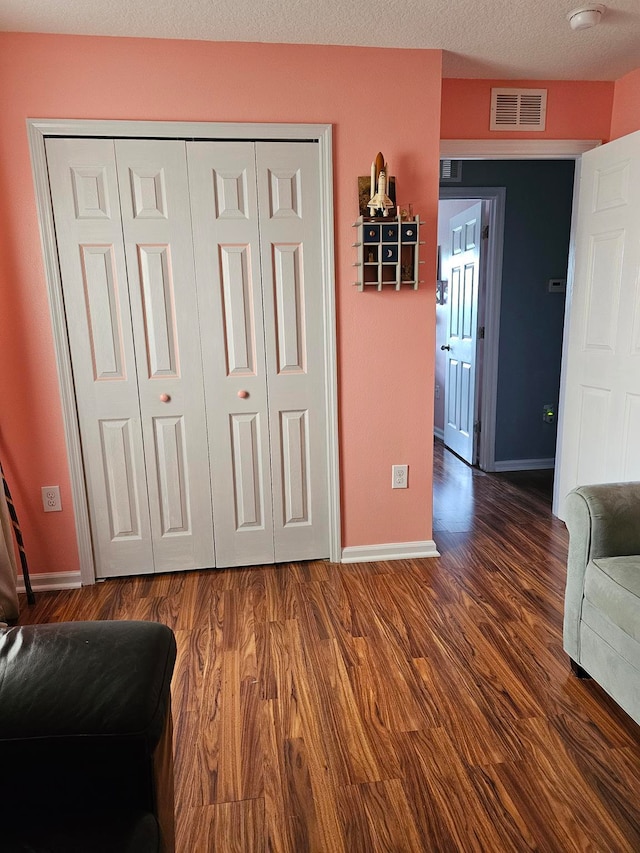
{"x": 445, "y": 346}
{"x": 165, "y": 398}
{"x": 243, "y": 394}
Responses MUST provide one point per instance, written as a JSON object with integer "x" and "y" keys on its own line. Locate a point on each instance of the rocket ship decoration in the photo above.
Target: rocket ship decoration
{"x": 379, "y": 200}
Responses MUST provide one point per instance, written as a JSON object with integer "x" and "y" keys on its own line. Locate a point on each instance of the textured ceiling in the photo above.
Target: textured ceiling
{"x": 512, "y": 39}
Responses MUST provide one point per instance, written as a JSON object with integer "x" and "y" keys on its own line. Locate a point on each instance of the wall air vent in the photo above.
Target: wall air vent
{"x": 451, "y": 171}
{"x": 518, "y": 109}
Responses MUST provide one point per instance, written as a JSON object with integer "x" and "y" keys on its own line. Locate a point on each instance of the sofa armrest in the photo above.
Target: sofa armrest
{"x": 85, "y": 729}
{"x": 603, "y": 521}
{"x": 85, "y": 679}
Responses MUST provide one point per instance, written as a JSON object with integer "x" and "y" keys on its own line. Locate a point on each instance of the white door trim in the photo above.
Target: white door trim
{"x": 492, "y": 296}
{"x": 38, "y": 130}
{"x": 515, "y": 149}
{"x": 557, "y": 496}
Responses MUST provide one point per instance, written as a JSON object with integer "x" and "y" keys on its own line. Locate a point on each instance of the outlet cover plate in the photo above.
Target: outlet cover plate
{"x": 51, "y": 499}
{"x": 399, "y": 476}
{"x": 557, "y": 285}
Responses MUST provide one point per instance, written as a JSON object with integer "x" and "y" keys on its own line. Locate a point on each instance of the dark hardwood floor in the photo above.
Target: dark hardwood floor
{"x": 416, "y": 705}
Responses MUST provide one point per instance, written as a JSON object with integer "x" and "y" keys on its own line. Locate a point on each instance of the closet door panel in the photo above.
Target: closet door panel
{"x": 290, "y": 236}
{"x": 156, "y": 221}
{"x": 294, "y": 451}
{"x": 86, "y": 205}
{"x": 237, "y": 304}
{"x": 122, "y": 496}
{"x": 227, "y": 253}
{"x": 247, "y": 471}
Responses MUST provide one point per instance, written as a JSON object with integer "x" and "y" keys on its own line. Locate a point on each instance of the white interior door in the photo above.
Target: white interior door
{"x": 86, "y": 206}
{"x": 600, "y": 412}
{"x": 460, "y": 373}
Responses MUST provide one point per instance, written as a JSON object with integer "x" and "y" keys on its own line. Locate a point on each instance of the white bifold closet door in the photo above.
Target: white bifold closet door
{"x": 256, "y": 207}
{"x": 196, "y": 350}
{"x": 123, "y": 230}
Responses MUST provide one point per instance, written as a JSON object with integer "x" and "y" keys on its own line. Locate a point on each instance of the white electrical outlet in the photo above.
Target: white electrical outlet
{"x": 399, "y": 476}
{"x": 51, "y": 499}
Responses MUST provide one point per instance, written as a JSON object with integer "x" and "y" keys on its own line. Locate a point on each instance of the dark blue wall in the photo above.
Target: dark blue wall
{"x": 536, "y": 245}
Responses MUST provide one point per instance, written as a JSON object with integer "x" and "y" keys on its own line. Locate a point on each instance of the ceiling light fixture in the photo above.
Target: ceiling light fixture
{"x": 586, "y": 16}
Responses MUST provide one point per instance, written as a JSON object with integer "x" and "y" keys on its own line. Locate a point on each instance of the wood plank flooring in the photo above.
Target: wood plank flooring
{"x": 416, "y": 705}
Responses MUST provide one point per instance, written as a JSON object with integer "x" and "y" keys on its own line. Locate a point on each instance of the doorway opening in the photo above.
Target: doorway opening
{"x": 520, "y": 308}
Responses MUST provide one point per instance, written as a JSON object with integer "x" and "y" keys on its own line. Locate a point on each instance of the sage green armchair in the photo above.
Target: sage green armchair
{"x": 602, "y": 599}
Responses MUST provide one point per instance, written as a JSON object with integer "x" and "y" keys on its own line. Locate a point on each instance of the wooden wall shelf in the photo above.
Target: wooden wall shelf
{"x": 388, "y": 253}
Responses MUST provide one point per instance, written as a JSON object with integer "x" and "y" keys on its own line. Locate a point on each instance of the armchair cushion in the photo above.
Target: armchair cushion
{"x": 612, "y": 585}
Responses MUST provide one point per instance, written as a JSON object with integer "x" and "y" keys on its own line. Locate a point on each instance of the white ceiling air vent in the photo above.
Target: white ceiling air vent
{"x": 518, "y": 109}
{"x": 451, "y": 171}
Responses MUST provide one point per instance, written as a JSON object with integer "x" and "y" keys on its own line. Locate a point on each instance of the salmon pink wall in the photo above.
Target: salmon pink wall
{"x": 575, "y": 110}
{"x": 385, "y": 341}
{"x": 626, "y": 105}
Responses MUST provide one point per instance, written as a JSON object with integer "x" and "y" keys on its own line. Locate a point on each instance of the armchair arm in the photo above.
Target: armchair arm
{"x": 612, "y": 520}
{"x": 603, "y": 521}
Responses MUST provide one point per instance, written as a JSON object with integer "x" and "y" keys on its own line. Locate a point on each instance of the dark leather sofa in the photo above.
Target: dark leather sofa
{"x": 86, "y": 762}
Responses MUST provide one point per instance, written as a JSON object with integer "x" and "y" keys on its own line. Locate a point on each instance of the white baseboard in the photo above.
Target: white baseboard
{"x": 389, "y": 551}
{"x": 524, "y": 464}
{"x": 44, "y": 581}
{"x": 439, "y": 433}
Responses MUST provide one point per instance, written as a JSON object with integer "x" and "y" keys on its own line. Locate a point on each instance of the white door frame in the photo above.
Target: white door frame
{"x": 38, "y": 130}
{"x": 526, "y": 149}
{"x": 491, "y": 295}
